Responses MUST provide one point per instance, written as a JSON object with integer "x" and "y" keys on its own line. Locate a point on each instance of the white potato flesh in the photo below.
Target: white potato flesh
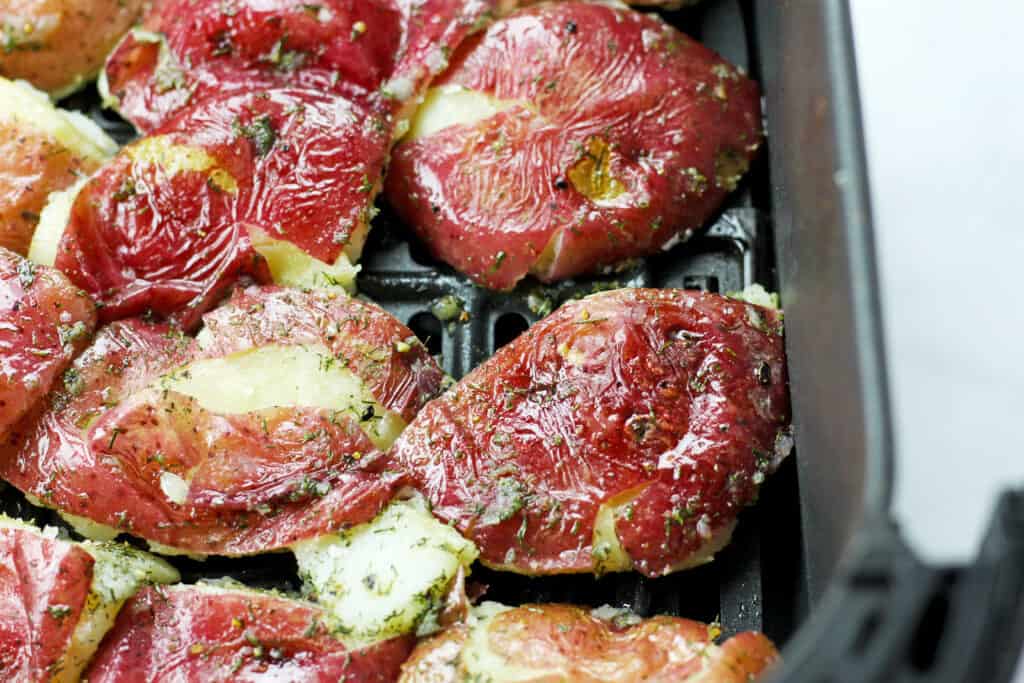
{"x": 95, "y": 531}
{"x": 32, "y": 108}
{"x": 387, "y": 577}
{"x": 229, "y": 586}
{"x": 608, "y": 553}
{"x": 88, "y": 528}
{"x": 173, "y": 158}
{"x": 119, "y": 572}
{"x": 759, "y": 296}
{"x": 52, "y": 221}
{"x": 450, "y": 105}
{"x": 292, "y": 267}
{"x": 171, "y": 551}
{"x": 283, "y": 376}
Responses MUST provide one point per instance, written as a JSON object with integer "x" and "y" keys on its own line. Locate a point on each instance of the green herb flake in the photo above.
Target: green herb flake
{"x": 26, "y": 273}
{"x": 58, "y": 612}
{"x": 499, "y": 258}
{"x": 260, "y": 132}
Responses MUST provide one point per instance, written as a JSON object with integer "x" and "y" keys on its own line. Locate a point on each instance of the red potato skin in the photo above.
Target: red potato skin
{"x": 254, "y": 477}
{"x": 32, "y": 165}
{"x": 347, "y": 47}
{"x": 585, "y": 649}
{"x": 231, "y": 49}
{"x": 44, "y": 583}
{"x": 496, "y": 199}
{"x": 672, "y": 396}
{"x": 44, "y": 323}
{"x": 432, "y": 31}
{"x": 186, "y": 634}
{"x": 140, "y": 239}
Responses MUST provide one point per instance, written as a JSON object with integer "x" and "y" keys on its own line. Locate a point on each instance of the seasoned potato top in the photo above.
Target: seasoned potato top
{"x": 220, "y": 632}
{"x": 549, "y": 642}
{"x": 266, "y": 429}
{"x": 624, "y": 431}
{"x": 42, "y": 149}
{"x": 179, "y": 216}
{"x": 571, "y": 136}
{"x": 379, "y": 50}
{"x": 44, "y": 322}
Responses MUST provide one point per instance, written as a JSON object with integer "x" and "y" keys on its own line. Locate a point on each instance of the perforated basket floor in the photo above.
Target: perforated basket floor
{"x": 755, "y": 583}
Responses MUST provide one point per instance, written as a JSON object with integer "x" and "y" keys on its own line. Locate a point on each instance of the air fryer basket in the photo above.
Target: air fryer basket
{"x": 759, "y": 581}
{"x": 818, "y": 542}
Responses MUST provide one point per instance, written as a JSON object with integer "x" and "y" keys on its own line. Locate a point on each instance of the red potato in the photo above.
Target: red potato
{"x": 265, "y": 430}
{"x": 31, "y": 166}
{"x": 625, "y": 431}
{"x": 175, "y": 219}
{"x": 43, "y": 149}
{"x": 664, "y": 4}
{"x": 569, "y": 137}
{"x": 551, "y": 643}
{"x": 58, "y": 598}
{"x": 209, "y": 632}
{"x": 44, "y": 323}
{"x": 42, "y": 579}
{"x": 59, "y": 45}
{"x": 353, "y": 48}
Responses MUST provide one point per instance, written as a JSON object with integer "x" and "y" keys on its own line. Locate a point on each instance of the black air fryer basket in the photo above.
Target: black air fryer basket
{"x": 816, "y": 564}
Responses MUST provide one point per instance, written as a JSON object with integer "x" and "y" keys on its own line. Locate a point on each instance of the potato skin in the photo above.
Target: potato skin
{"x": 258, "y": 481}
{"x": 672, "y": 398}
{"x": 44, "y": 323}
{"x": 299, "y": 165}
{"x": 617, "y": 134}
{"x": 57, "y": 45}
{"x": 32, "y": 165}
{"x": 567, "y": 643}
{"x": 200, "y": 634}
{"x": 437, "y": 659}
{"x": 348, "y": 47}
{"x": 44, "y": 583}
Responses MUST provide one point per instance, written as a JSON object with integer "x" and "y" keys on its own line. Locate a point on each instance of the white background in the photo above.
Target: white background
{"x": 942, "y": 84}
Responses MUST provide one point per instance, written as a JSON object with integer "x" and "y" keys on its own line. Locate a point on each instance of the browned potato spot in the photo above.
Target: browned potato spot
{"x": 58, "y": 45}
{"x": 42, "y": 149}
{"x": 553, "y": 643}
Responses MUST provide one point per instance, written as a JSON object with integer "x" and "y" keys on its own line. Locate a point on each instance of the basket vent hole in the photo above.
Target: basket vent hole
{"x": 418, "y": 252}
{"x": 428, "y": 329}
{"x": 707, "y": 283}
{"x": 507, "y": 327}
{"x": 924, "y": 646}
